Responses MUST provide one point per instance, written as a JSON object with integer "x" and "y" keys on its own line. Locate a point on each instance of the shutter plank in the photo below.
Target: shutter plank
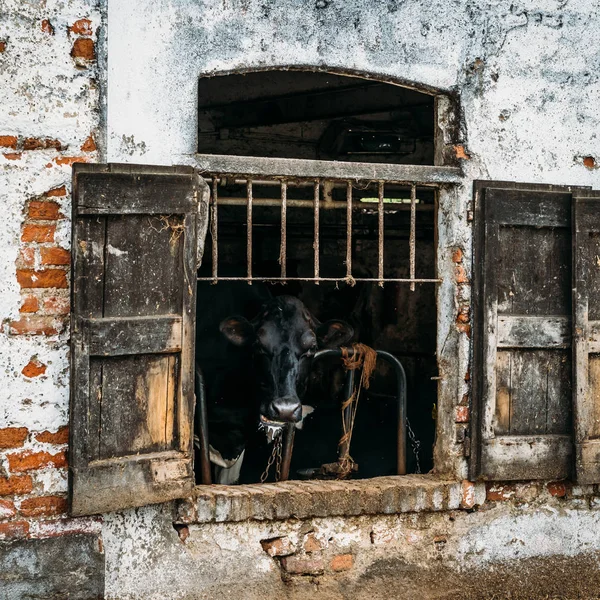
{"x": 586, "y": 313}
{"x": 522, "y": 332}
{"x": 136, "y": 247}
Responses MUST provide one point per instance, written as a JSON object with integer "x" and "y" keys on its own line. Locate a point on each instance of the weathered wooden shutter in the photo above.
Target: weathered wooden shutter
{"x": 586, "y": 334}
{"x": 135, "y": 232}
{"x": 522, "y": 369}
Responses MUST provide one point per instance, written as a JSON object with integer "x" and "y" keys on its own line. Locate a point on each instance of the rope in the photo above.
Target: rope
{"x": 365, "y": 358}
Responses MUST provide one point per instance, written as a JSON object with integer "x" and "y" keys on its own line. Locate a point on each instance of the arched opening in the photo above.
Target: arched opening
{"x": 315, "y": 115}
{"x": 388, "y": 235}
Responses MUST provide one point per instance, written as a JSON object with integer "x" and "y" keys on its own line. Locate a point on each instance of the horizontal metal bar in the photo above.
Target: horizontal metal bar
{"x": 319, "y": 279}
{"x": 340, "y": 204}
{"x": 327, "y": 169}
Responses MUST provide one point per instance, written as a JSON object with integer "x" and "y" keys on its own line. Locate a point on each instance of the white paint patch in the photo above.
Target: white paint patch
{"x": 116, "y": 251}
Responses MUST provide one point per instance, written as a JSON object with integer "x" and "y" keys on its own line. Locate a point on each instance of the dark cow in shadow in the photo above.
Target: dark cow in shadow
{"x": 255, "y": 364}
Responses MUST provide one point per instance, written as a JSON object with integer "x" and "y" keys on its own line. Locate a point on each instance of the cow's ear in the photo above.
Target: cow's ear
{"x": 237, "y": 330}
{"x": 334, "y": 334}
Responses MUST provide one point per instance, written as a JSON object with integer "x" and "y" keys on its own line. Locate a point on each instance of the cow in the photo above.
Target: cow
{"x": 256, "y": 367}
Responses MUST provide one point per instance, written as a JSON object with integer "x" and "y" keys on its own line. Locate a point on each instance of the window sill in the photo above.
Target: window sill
{"x": 305, "y": 499}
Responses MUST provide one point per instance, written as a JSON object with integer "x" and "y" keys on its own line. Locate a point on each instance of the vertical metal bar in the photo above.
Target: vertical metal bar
{"x": 349, "y": 230}
{"x": 381, "y": 232}
{"x": 316, "y": 237}
{"x": 214, "y": 228}
{"x": 288, "y": 446}
{"x": 413, "y": 233}
{"x": 249, "y": 228}
{"x": 202, "y": 427}
{"x": 283, "y": 248}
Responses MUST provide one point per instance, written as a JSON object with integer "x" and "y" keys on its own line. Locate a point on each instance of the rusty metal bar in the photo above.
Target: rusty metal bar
{"x": 381, "y": 191}
{"x": 283, "y": 247}
{"x": 413, "y": 234}
{"x": 288, "y": 447}
{"x": 318, "y": 279}
{"x": 249, "y": 228}
{"x": 349, "y": 231}
{"x": 316, "y": 238}
{"x": 214, "y": 229}
{"x": 201, "y": 427}
{"x": 336, "y": 204}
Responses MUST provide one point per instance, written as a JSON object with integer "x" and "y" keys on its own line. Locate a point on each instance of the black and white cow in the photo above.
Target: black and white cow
{"x": 255, "y": 365}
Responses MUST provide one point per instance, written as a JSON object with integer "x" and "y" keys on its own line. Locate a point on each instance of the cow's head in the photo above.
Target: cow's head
{"x": 284, "y": 337}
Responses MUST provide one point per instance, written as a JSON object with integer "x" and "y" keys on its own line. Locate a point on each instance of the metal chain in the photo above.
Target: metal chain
{"x": 416, "y": 446}
{"x": 275, "y": 457}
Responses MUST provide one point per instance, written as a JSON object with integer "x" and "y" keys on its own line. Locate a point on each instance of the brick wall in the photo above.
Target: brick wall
{"x": 48, "y": 121}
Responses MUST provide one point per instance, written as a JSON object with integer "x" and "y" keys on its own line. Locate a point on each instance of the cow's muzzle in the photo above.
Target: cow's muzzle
{"x": 283, "y": 410}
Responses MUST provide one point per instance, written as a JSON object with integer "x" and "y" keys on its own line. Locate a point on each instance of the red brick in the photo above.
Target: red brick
{"x": 14, "y": 530}
{"x": 29, "y": 461}
{"x": 27, "y": 256}
{"x": 38, "y": 233}
{"x": 463, "y": 315}
{"x": 464, "y": 328}
{"x": 47, "y": 27}
{"x": 312, "y": 544}
{"x": 58, "y": 527}
{"x": 55, "y": 256}
{"x": 89, "y": 145}
{"x": 44, "y": 506}
{"x": 45, "y": 278}
{"x": 83, "y": 48}
{"x": 8, "y": 141}
{"x": 69, "y": 160}
{"x": 462, "y": 414}
{"x": 13, "y": 156}
{"x": 56, "y": 192}
{"x": 13, "y": 437}
{"x": 341, "y": 562}
{"x": 41, "y": 144}
{"x": 281, "y": 546}
{"x": 589, "y": 162}
{"x": 460, "y": 275}
{"x": 81, "y": 27}
{"x": 303, "y": 565}
{"x": 30, "y": 305}
{"x": 457, "y": 255}
{"x": 557, "y": 488}
{"x": 20, "y": 484}
{"x": 468, "y": 494}
{"x": 34, "y": 368}
{"x": 44, "y": 210}
{"x": 57, "y": 305}
{"x": 36, "y": 325}
{"x": 2, "y": 45}
{"x": 460, "y": 152}
{"x": 7, "y": 509}
{"x": 499, "y": 493}
{"x": 59, "y": 437}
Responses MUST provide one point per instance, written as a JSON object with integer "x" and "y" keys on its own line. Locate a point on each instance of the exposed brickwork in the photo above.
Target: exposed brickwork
{"x": 557, "y": 488}
{"x": 55, "y": 256}
{"x": 57, "y": 305}
{"x": 83, "y": 51}
{"x": 30, "y": 304}
{"x": 462, "y": 414}
{"x": 7, "y": 509}
{"x": 29, "y": 461}
{"x": 44, "y": 210}
{"x": 43, "y": 278}
{"x": 44, "y": 506}
{"x": 281, "y": 546}
{"x": 36, "y": 325}
{"x": 8, "y": 141}
{"x": 342, "y": 562}
{"x": 81, "y": 27}
{"x": 16, "y": 484}
{"x": 303, "y": 565}
{"x": 59, "y": 437}
{"x": 38, "y": 233}
{"x": 13, "y": 530}
{"x": 47, "y": 27}
{"x": 34, "y": 368}
{"x": 89, "y": 145}
{"x": 13, "y": 437}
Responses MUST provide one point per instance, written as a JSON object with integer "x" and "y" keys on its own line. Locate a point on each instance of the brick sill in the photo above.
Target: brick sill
{"x": 305, "y": 499}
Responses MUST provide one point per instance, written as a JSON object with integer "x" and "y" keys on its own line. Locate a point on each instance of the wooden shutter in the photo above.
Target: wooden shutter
{"x": 586, "y": 334}
{"x": 522, "y": 369}
{"x": 135, "y": 232}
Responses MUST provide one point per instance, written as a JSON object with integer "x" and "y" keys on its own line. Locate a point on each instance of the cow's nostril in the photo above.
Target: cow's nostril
{"x": 290, "y": 413}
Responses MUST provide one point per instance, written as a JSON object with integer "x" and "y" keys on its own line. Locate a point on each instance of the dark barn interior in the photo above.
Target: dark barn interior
{"x": 336, "y": 118}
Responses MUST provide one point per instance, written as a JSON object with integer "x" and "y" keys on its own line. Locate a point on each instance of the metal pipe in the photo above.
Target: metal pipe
{"x": 413, "y": 233}
{"x": 349, "y": 230}
{"x": 249, "y": 228}
{"x": 316, "y": 237}
{"x": 321, "y": 279}
{"x": 288, "y": 446}
{"x": 201, "y": 420}
{"x": 381, "y": 231}
{"x": 283, "y": 248}
{"x": 214, "y": 230}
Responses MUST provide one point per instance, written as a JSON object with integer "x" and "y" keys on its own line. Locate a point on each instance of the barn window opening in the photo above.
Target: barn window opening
{"x": 354, "y": 243}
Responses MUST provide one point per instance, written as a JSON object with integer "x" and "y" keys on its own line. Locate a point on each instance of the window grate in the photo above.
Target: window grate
{"x": 322, "y": 199}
